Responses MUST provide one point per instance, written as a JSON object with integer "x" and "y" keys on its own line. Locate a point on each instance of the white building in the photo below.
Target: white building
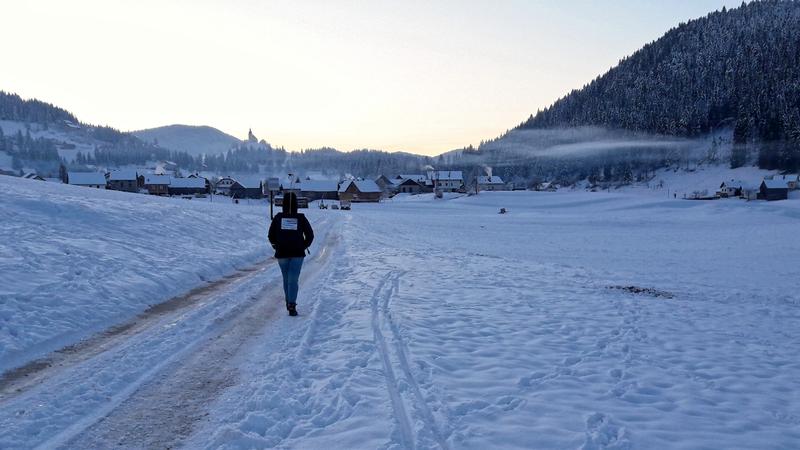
{"x": 491, "y": 183}
{"x": 731, "y": 188}
{"x": 447, "y": 180}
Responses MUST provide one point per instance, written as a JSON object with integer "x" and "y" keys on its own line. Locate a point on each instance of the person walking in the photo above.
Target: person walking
{"x": 290, "y": 234}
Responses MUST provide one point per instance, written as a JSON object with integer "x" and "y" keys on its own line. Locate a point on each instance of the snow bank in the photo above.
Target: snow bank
{"x": 76, "y": 260}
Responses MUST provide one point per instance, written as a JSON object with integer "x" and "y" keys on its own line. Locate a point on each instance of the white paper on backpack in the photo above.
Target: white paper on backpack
{"x": 288, "y": 224}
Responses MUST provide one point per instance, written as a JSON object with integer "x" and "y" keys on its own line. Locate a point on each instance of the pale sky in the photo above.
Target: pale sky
{"x": 418, "y": 76}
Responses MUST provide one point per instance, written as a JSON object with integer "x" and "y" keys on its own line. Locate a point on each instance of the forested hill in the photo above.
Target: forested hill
{"x": 738, "y": 68}
{"x": 13, "y": 107}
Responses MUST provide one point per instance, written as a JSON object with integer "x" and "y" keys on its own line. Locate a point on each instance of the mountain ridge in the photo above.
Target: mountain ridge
{"x": 193, "y": 139}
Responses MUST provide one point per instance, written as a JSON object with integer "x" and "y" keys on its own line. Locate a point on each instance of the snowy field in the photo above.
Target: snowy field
{"x": 447, "y": 325}
{"x": 577, "y": 320}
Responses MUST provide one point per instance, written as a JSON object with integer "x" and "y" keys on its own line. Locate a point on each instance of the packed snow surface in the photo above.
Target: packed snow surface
{"x": 576, "y": 320}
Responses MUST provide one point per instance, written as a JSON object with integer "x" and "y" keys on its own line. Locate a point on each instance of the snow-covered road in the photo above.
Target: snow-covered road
{"x": 147, "y": 383}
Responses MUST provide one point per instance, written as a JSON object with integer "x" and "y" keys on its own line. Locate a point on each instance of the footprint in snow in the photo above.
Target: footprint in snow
{"x": 602, "y": 433}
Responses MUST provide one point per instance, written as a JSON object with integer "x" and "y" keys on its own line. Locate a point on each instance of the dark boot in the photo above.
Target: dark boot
{"x": 292, "y": 309}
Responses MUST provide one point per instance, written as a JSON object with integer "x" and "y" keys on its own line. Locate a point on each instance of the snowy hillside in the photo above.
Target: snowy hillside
{"x": 77, "y": 260}
{"x": 194, "y": 140}
{"x": 70, "y": 139}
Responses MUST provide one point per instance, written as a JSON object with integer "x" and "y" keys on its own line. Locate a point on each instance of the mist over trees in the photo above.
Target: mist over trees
{"x": 736, "y": 68}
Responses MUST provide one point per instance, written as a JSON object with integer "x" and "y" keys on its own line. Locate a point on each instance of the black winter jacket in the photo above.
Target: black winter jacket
{"x": 290, "y": 235}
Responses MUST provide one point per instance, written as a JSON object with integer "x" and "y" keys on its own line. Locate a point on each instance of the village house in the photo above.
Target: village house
{"x": 247, "y": 187}
{"x": 731, "y": 188}
{"x": 491, "y": 183}
{"x": 409, "y": 186}
{"x": 775, "y": 189}
{"x": 319, "y": 190}
{"x": 546, "y": 186}
{"x": 447, "y": 180}
{"x": 187, "y": 186}
{"x": 95, "y": 180}
{"x": 123, "y": 180}
{"x": 360, "y": 191}
{"x": 290, "y": 184}
{"x": 792, "y": 180}
{"x": 33, "y": 176}
{"x": 205, "y": 180}
{"x": 388, "y": 186}
{"x": 157, "y": 184}
{"x": 223, "y": 185}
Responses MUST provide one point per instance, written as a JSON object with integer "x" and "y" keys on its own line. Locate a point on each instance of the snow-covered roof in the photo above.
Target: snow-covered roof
{"x": 448, "y": 175}
{"x": 318, "y": 186}
{"x": 289, "y": 183}
{"x": 86, "y": 178}
{"x": 367, "y": 186}
{"x": 249, "y": 182}
{"x": 157, "y": 180}
{"x": 733, "y": 184}
{"x": 364, "y": 186}
{"x": 490, "y": 180}
{"x": 191, "y": 183}
{"x": 31, "y": 175}
{"x": 409, "y": 180}
{"x": 416, "y": 177}
{"x": 787, "y": 177}
{"x": 122, "y": 175}
{"x": 777, "y": 184}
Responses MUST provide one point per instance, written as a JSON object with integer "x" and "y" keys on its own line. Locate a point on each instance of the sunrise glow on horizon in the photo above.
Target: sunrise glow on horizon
{"x": 421, "y": 77}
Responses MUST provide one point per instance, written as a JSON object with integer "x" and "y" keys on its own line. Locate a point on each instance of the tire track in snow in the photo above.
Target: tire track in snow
{"x": 390, "y": 285}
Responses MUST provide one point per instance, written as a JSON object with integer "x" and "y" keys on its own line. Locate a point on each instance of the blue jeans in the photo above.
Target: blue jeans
{"x": 290, "y": 268}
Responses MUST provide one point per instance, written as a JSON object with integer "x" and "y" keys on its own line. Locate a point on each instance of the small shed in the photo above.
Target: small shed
{"x": 123, "y": 180}
{"x": 491, "y": 183}
{"x": 95, "y": 180}
{"x": 187, "y": 186}
{"x": 360, "y": 191}
{"x": 157, "y": 184}
{"x": 776, "y": 189}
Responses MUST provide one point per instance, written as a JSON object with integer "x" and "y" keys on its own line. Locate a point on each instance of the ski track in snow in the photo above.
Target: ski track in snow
{"x": 381, "y": 318}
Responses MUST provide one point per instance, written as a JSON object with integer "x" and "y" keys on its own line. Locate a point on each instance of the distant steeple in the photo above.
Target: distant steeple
{"x": 251, "y": 137}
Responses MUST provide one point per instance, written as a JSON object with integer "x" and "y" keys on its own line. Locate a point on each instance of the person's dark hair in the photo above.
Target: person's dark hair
{"x": 289, "y": 203}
